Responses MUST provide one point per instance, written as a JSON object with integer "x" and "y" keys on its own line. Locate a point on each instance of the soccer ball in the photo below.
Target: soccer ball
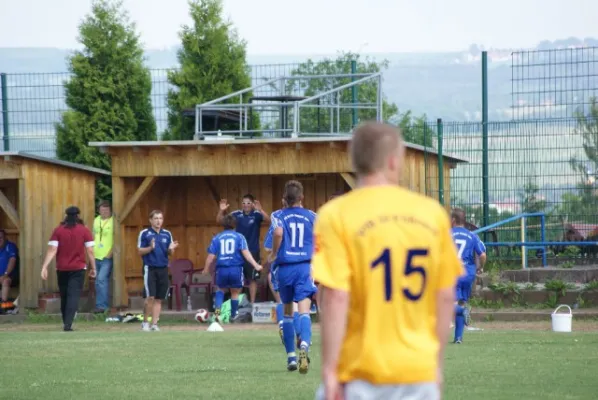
{"x": 202, "y": 315}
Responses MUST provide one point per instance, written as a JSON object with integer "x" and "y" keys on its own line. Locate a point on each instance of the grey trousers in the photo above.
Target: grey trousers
{"x": 361, "y": 390}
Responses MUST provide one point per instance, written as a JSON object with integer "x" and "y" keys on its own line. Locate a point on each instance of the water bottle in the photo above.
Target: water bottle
{"x": 189, "y": 303}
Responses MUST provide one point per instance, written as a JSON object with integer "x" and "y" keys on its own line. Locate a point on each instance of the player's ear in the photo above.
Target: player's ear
{"x": 392, "y": 162}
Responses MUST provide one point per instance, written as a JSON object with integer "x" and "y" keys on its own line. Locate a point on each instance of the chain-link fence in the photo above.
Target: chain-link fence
{"x": 542, "y": 160}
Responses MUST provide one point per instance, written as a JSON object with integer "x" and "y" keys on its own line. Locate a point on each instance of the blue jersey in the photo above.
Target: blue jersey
{"x": 297, "y": 225}
{"x": 227, "y": 247}
{"x": 468, "y": 245}
{"x": 158, "y": 257}
{"x": 269, "y": 239}
{"x": 249, "y": 225}
{"x": 6, "y": 253}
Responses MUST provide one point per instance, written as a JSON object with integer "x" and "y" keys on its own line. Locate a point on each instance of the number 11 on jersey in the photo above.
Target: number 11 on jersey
{"x": 385, "y": 259}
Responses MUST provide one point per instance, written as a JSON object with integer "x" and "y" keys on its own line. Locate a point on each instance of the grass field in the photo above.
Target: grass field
{"x": 106, "y": 361}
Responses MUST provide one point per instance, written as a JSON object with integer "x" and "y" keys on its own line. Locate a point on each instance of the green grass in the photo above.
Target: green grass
{"x": 102, "y": 361}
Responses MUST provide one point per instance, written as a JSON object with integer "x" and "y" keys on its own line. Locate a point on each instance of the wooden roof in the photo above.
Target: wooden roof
{"x": 215, "y": 141}
{"x": 8, "y": 155}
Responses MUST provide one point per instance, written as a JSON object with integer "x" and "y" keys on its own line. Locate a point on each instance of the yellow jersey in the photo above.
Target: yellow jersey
{"x": 392, "y": 251}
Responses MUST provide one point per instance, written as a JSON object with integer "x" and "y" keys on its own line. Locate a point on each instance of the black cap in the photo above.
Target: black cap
{"x": 72, "y": 210}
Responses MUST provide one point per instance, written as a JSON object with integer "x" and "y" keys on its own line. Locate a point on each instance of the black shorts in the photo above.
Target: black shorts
{"x": 249, "y": 273}
{"x": 155, "y": 282}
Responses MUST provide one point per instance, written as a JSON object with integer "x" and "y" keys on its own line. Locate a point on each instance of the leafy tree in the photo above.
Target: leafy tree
{"x": 581, "y": 206}
{"x": 108, "y": 94}
{"x": 212, "y": 64}
{"x": 532, "y": 202}
{"x": 587, "y": 128}
{"x": 317, "y": 120}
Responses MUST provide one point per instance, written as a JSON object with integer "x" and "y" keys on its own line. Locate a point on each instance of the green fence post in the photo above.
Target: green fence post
{"x": 440, "y": 162}
{"x": 485, "y": 173}
{"x": 5, "y": 125}
{"x": 426, "y": 177}
{"x": 354, "y": 91}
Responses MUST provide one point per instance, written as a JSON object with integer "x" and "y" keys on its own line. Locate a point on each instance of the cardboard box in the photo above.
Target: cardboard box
{"x": 264, "y": 313}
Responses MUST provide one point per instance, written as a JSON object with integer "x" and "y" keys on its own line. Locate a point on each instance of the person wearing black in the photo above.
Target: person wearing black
{"x": 69, "y": 243}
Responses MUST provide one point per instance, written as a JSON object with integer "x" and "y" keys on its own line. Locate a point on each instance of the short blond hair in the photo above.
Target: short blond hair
{"x": 371, "y": 144}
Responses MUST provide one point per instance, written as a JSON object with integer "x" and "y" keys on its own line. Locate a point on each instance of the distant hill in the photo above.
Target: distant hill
{"x": 441, "y": 85}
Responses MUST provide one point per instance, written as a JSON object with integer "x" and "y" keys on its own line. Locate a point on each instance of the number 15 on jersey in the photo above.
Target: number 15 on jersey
{"x": 409, "y": 268}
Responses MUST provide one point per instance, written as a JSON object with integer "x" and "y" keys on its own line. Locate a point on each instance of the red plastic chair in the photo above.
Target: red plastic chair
{"x": 182, "y": 273}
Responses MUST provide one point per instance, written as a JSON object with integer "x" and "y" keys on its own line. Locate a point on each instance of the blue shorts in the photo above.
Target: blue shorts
{"x": 464, "y": 287}
{"x": 229, "y": 277}
{"x": 274, "y": 277}
{"x": 295, "y": 282}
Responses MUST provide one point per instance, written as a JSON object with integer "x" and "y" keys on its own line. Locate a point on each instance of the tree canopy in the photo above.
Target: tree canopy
{"x": 212, "y": 62}
{"x": 317, "y": 120}
{"x": 109, "y": 92}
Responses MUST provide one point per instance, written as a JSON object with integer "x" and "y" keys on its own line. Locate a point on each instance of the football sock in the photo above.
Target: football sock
{"x": 305, "y": 321}
{"x": 234, "y": 306}
{"x": 279, "y": 312}
{"x": 219, "y": 299}
{"x": 296, "y": 323}
{"x": 459, "y": 322}
{"x": 288, "y": 335}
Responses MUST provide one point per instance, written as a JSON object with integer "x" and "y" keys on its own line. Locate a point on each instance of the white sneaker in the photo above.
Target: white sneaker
{"x": 145, "y": 326}
{"x": 155, "y": 328}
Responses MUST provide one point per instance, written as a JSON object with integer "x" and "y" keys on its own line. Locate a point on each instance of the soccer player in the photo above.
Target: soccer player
{"x": 387, "y": 274}
{"x": 273, "y": 282}
{"x": 155, "y": 245}
{"x": 468, "y": 246}
{"x": 229, "y": 250}
{"x": 292, "y": 251}
{"x": 249, "y": 221}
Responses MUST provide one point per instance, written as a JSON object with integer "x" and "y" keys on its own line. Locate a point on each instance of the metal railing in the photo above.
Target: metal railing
{"x": 291, "y": 100}
{"x": 524, "y": 244}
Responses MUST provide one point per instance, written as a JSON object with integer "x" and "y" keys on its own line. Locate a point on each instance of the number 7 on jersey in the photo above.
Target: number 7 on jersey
{"x": 409, "y": 268}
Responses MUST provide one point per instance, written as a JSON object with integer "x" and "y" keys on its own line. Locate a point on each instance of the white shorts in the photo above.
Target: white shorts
{"x": 361, "y": 390}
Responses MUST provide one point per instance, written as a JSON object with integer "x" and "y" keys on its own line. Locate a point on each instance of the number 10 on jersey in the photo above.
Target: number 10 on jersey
{"x": 409, "y": 268}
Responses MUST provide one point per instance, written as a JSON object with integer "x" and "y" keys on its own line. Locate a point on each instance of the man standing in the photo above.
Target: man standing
{"x": 387, "y": 275}
{"x": 155, "y": 245}
{"x": 468, "y": 246}
{"x": 70, "y": 243}
{"x": 9, "y": 271}
{"x": 292, "y": 250}
{"x": 103, "y": 232}
{"x": 249, "y": 221}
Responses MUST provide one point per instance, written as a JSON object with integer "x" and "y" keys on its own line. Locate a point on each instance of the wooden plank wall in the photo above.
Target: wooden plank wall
{"x": 190, "y": 210}
{"x": 421, "y": 175}
{"x": 10, "y": 188}
{"x": 46, "y": 190}
{"x": 228, "y": 160}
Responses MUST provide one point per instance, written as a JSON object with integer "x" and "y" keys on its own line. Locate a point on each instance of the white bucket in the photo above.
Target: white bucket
{"x": 561, "y": 322}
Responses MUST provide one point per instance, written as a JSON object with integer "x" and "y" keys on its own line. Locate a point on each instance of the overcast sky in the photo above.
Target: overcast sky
{"x": 323, "y": 26}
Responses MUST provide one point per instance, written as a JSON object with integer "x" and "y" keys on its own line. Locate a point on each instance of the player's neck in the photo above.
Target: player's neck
{"x": 377, "y": 179}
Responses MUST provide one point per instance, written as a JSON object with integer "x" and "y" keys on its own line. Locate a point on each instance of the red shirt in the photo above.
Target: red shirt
{"x": 71, "y": 243}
